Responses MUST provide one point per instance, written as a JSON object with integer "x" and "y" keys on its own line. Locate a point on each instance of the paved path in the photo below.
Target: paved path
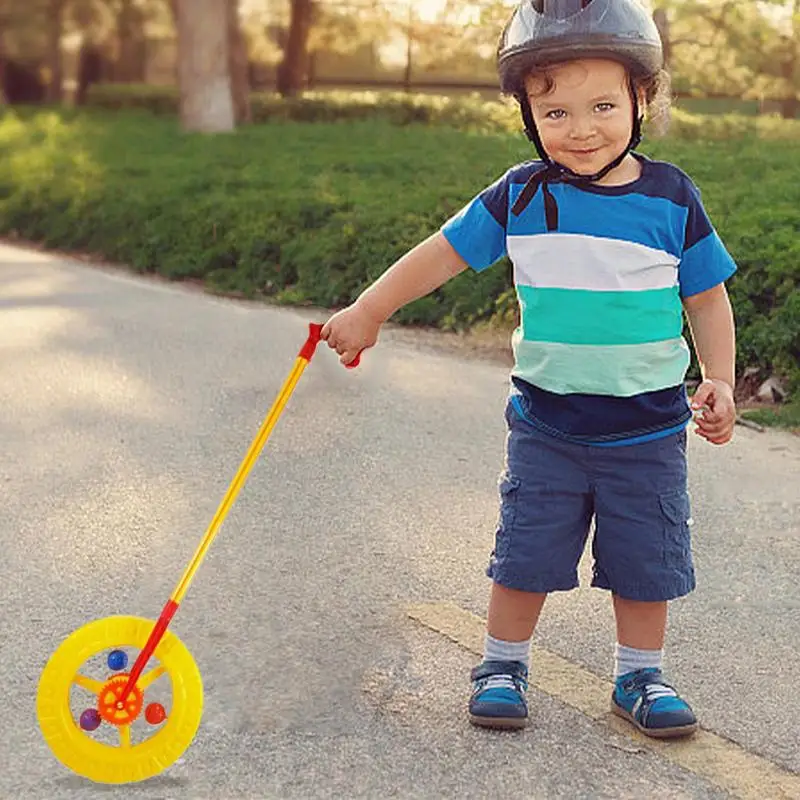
{"x": 341, "y": 607}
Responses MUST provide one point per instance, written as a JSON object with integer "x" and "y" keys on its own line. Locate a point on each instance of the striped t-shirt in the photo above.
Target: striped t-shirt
{"x": 599, "y": 352}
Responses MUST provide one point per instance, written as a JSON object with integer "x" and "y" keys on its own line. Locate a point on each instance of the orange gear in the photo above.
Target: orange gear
{"x": 112, "y": 708}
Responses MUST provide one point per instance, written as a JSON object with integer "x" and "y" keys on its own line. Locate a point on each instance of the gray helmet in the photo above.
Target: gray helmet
{"x": 543, "y": 32}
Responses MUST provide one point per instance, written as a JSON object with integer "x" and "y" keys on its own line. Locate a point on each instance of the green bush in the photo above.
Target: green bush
{"x": 465, "y": 112}
{"x": 312, "y": 213}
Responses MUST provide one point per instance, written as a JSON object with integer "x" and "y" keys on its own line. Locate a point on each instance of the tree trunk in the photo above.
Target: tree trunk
{"x": 409, "y": 50}
{"x": 239, "y": 65}
{"x": 204, "y": 66}
{"x": 130, "y": 67}
{"x": 55, "y": 28}
{"x": 790, "y": 107}
{"x": 291, "y": 73}
{"x": 790, "y": 104}
{"x": 3, "y": 99}
{"x": 662, "y": 23}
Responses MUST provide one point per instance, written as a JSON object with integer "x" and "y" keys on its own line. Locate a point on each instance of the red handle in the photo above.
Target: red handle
{"x": 314, "y": 334}
{"x": 309, "y": 348}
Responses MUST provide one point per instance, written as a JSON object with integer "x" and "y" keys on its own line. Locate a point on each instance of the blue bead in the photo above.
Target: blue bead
{"x": 117, "y": 659}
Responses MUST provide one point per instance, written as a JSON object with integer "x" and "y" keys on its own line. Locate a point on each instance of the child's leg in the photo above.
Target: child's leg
{"x": 500, "y": 681}
{"x": 640, "y": 625}
{"x": 640, "y": 693}
{"x": 643, "y": 556}
{"x": 545, "y": 515}
{"x": 513, "y": 614}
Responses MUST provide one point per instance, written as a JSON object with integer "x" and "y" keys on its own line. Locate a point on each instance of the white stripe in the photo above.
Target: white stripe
{"x": 618, "y": 370}
{"x": 576, "y": 261}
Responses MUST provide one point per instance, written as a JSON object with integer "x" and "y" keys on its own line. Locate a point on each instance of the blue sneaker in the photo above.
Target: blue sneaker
{"x": 498, "y": 695}
{"x": 652, "y": 705}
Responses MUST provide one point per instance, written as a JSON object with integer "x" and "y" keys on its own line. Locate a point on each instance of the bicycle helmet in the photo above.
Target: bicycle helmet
{"x": 541, "y": 33}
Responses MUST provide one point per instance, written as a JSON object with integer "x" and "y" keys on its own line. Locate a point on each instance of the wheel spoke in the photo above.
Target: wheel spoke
{"x": 124, "y": 736}
{"x": 90, "y": 684}
{"x": 150, "y": 677}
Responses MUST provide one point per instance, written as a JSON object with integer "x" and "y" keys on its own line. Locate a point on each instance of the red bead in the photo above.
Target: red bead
{"x": 155, "y": 713}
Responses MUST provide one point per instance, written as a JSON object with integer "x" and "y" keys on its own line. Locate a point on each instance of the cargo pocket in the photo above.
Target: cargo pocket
{"x": 509, "y": 489}
{"x": 676, "y": 510}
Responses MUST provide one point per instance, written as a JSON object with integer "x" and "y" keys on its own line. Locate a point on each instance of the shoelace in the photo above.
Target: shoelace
{"x": 501, "y": 682}
{"x": 655, "y": 691}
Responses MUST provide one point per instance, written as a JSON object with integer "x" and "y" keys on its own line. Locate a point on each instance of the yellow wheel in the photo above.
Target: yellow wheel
{"x": 99, "y": 734}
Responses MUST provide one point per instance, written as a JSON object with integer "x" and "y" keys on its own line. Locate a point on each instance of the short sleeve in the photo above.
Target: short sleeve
{"x": 705, "y": 262}
{"x": 478, "y": 232}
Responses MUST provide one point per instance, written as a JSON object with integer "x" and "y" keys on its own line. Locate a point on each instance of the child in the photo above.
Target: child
{"x": 608, "y": 249}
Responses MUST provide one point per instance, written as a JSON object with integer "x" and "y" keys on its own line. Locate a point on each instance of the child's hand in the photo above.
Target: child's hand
{"x": 350, "y": 331}
{"x": 718, "y": 416}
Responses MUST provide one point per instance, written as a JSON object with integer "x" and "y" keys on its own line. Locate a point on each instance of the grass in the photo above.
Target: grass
{"x": 311, "y": 213}
{"x": 786, "y": 416}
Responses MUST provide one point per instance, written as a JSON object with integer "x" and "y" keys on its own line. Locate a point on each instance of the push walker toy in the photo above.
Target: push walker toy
{"x": 127, "y": 726}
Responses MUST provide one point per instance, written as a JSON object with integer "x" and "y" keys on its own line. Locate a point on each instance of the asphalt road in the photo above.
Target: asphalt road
{"x": 127, "y": 405}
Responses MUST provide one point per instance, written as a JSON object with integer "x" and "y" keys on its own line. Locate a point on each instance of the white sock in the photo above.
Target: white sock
{"x": 498, "y": 650}
{"x": 629, "y": 659}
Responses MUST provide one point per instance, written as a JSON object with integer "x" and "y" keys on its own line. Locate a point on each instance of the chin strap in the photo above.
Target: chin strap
{"x": 553, "y": 172}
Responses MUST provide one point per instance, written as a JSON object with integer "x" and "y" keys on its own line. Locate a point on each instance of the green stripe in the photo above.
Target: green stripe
{"x": 579, "y": 316}
{"x": 617, "y": 370}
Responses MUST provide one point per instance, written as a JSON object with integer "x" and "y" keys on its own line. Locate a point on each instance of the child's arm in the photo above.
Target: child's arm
{"x": 711, "y": 321}
{"x": 417, "y": 273}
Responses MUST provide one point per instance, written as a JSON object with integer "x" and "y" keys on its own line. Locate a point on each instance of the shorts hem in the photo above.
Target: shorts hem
{"x": 647, "y": 593}
{"x": 528, "y": 584}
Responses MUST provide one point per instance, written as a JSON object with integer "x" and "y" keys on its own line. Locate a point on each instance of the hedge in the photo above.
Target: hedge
{"x": 304, "y": 213}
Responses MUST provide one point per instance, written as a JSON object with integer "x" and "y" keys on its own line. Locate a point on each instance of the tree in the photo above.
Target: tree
{"x": 55, "y": 32}
{"x": 239, "y": 65}
{"x": 749, "y": 49}
{"x": 206, "y": 99}
{"x": 293, "y": 69}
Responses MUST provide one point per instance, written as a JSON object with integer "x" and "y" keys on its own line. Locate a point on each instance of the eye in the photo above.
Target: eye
{"x": 604, "y": 107}
{"x": 556, "y": 113}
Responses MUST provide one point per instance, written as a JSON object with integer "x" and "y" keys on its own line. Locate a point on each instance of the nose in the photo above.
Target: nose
{"x": 582, "y": 127}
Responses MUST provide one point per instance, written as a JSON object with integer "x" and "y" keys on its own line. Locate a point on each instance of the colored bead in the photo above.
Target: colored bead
{"x": 155, "y": 713}
{"x": 117, "y": 659}
{"x": 90, "y": 720}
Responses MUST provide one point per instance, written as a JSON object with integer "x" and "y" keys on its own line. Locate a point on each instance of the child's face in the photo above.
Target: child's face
{"x": 585, "y": 121}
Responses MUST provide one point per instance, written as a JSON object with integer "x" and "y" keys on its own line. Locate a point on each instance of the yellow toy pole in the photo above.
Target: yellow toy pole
{"x": 168, "y": 612}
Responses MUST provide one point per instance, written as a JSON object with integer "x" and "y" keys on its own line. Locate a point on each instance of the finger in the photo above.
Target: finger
{"x": 711, "y": 423}
{"x": 348, "y": 356}
{"x": 723, "y": 437}
{"x": 704, "y": 395}
{"x": 722, "y": 431}
{"x": 326, "y": 330}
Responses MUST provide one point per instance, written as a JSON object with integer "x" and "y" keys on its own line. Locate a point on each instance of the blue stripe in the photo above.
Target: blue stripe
{"x": 704, "y": 266}
{"x": 650, "y": 221}
{"x": 476, "y": 235}
{"x": 640, "y": 439}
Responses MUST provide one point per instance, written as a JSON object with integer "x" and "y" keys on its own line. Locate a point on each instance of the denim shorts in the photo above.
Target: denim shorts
{"x": 552, "y": 491}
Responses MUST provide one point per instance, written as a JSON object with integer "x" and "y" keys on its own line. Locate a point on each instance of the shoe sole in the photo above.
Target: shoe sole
{"x": 500, "y": 723}
{"x": 655, "y": 733}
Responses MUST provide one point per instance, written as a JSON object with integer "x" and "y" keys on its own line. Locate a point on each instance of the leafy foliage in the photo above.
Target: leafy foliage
{"x": 466, "y": 112}
{"x": 303, "y": 213}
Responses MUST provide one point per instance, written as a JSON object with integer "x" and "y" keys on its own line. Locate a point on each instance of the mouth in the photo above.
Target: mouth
{"x": 585, "y": 152}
